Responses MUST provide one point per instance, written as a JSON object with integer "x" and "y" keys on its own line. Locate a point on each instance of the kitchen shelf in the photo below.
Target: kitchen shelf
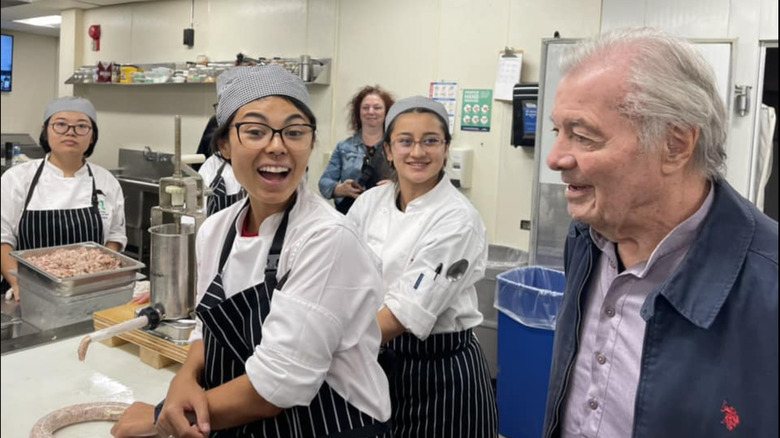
{"x": 321, "y": 68}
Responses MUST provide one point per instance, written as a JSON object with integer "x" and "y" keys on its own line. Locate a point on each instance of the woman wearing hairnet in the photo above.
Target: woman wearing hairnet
{"x": 287, "y": 339}
{"x": 433, "y": 247}
{"x": 61, "y": 199}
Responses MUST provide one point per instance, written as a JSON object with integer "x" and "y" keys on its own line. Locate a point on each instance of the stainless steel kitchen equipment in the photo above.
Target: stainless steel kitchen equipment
{"x": 172, "y": 271}
{"x": 27, "y": 146}
{"x": 138, "y": 173}
{"x": 305, "y": 68}
{"x": 50, "y": 302}
{"x": 7, "y": 325}
{"x": 172, "y": 262}
{"x": 175, "y": 222}
{"x": 31, "y": 274}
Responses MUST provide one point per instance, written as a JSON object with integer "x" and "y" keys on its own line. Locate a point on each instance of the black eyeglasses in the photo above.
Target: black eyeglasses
{"x": 62, "y": 128}
{"x": 256, "y": 135}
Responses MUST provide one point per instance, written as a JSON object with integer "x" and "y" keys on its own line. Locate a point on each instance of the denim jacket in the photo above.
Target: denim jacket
{"x": 709, "y": 361}
{"x": 346, "y": 162}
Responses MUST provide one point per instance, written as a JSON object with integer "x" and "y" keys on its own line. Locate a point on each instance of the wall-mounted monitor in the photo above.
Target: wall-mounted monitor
{"x": 6, "y": 62}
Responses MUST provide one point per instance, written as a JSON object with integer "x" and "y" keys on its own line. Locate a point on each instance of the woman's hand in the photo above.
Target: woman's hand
{"x": 186, "y": 411}
{"x": 14, "y": 288}
{"x": 136, "y": 421}
{"x": 349, "y": 188}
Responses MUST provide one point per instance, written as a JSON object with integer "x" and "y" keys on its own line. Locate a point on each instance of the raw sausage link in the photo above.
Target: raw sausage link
{"x": 74, "y": 414}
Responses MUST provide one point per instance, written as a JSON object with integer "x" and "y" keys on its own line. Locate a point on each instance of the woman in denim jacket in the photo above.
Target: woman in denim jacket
{"x": 358, "y": 162}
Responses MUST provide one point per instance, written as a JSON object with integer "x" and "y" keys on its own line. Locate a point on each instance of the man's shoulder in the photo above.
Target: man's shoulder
{"x": 765, "y": 241}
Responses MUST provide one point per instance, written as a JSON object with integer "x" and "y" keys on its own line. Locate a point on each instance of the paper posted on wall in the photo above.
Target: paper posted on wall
{"x": 446, "y": 93}
{"x": 507, "y": 75}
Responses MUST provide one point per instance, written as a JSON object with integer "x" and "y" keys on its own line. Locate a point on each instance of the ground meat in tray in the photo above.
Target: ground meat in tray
{"x": 67, "y": 263}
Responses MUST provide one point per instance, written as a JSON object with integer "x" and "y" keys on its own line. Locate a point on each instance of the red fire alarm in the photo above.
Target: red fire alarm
{"x": 94, "y": 33}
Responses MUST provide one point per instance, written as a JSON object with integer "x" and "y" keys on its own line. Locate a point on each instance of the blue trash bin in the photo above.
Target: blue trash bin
{"x": 527, "y": 299}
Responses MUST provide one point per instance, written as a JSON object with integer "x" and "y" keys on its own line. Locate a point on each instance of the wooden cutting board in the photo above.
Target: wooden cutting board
{"x": 154, "y": 351}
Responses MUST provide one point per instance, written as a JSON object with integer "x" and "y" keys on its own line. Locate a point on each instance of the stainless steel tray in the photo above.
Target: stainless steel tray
{"x": 124, "y": 274}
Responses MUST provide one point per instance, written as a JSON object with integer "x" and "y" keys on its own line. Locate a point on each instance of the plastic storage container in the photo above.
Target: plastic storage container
{"x": 528, "y": 300}
{"x": 46, "y": 310}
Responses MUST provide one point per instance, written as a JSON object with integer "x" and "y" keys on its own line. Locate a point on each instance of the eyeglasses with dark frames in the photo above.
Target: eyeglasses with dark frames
{"x": 62, "y": 128}
{"x": 256, "y": 135}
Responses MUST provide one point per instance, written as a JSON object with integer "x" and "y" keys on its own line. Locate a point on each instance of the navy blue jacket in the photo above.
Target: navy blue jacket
{"x": 709, "y": 363}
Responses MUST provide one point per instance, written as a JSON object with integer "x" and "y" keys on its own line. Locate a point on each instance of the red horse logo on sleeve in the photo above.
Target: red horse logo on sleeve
{"x": 730, "y": 416}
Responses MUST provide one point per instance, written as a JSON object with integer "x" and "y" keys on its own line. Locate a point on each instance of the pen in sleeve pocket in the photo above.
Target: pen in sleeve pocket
{"x": 437, "y": 271}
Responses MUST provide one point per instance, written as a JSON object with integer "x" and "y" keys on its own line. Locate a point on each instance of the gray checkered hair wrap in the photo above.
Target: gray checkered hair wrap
{"x": 241, "y": 85}
{"x": 409, "y": 103}
{"x": 74, "y": 104}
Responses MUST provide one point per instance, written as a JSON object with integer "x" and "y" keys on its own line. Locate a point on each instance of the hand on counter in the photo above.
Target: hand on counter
{"x": 137, "y": 421}
{"x": 185, "y": 398}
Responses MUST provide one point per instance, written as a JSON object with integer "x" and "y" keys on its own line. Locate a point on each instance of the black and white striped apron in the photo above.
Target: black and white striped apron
{"x": 45, "y": 228}
{"x": 441, "y": 387}
{"x": 219, "y": 199}
{"x": 232, "y": 328}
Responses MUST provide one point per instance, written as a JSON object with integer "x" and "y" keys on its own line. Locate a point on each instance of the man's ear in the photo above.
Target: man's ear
{"x": 679, "y": 148}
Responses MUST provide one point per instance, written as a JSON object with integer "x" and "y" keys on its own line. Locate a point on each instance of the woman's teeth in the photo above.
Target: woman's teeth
{"x": 274, "y": 169}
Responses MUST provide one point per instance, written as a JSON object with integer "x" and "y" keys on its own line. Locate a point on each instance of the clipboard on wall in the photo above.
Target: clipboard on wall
{"x": 510, "y": 65}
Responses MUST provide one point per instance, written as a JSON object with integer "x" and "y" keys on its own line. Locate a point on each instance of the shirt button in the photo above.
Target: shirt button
{"x": 601, "y": 359}
{"x": 610, "y": 311}
{"x": 593, "y": 404}
{"x": 612, "y": 264}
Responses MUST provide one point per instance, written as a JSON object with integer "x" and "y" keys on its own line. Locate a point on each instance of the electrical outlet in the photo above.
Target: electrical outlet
{"x": 525, "y": 225}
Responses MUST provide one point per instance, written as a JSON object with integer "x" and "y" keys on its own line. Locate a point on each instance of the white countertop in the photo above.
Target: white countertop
{"x": 43, "y": 379}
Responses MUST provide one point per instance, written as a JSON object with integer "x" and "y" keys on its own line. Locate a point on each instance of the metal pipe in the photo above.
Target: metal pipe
{"x": 177, "y": 147}
{"x": 192, "y": 14}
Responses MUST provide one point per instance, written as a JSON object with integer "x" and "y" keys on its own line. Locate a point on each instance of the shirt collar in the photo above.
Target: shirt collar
{"x": 57, "y": 171}
{"x": 435, "y": 193}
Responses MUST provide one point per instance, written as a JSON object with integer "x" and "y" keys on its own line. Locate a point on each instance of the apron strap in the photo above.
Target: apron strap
{"x": 94, "y": 190}
{"x": 219, "y": 172}
{"x": 272, "y": 263}
{"x": 228, "y": 244}
{"x": 34, "y": 183}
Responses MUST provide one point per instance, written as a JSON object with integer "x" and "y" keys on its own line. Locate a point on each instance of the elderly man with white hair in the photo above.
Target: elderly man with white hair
{"x": 669, "y": 323}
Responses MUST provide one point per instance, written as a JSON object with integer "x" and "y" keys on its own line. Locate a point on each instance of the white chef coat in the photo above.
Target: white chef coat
{"x": 209, "y": 171}
{"x": 440, "y": 227}
{"x": 56, "y": 192}
{"x": 322, "y": 325}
